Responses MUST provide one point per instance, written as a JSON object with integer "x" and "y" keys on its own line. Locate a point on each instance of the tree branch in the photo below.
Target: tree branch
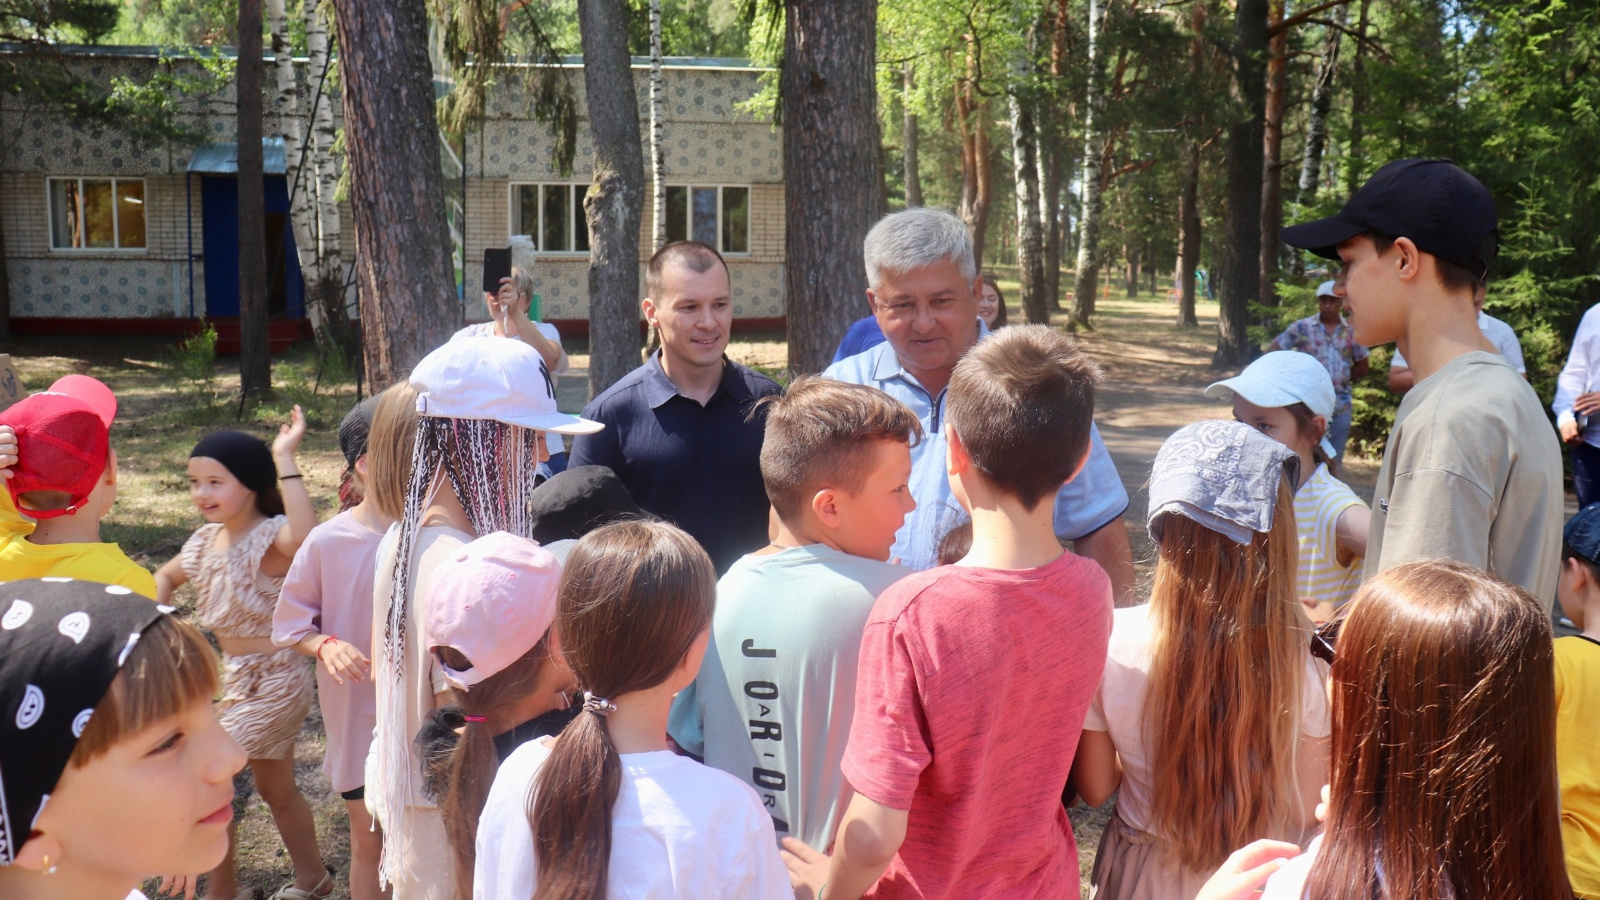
{"x": 1304, "y": 15}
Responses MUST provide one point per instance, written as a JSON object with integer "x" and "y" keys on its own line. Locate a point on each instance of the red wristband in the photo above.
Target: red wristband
{"x": 324, "y": 644}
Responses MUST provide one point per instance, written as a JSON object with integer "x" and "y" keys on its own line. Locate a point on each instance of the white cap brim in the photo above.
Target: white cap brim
{"x": 558, "y": 422}
{"x": 1260, "y": 393}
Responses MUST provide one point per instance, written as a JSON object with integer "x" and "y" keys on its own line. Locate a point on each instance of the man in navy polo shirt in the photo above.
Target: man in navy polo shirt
{"x": 922, "y": 283}
{"x": 678, "y": 428}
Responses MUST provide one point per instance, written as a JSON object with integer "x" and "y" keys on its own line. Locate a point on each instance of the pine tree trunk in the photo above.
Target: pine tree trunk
{"x": 1242, "y": 218}
{"x": 1358, "y": 105}
{"x": 658, "y": 144}
{"x": 1321, "y": 104}
{"x": 977, "y": 187}
{"x": 1088, "y": 274}
{"x": 405, "y": 282}
{"x": 1025, "y": 176}
{"x": 912, "y": 140}
{"x": 302, "y": 177}
{"x": 1189, "y": 232}
{"x": 830, "y": 170}
{"x": 1272, "y": 157}
{"x": 255, "y": 366}
{"x": 1049, "y": 153}
{"x": 615, "y": 201}
{"x": 1132, "y": 254}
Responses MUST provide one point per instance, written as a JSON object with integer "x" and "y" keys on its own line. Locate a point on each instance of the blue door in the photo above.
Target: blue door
{"x": 219, "y": 208}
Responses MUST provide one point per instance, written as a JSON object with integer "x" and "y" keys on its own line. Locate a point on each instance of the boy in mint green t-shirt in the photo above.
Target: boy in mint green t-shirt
{"x": 775, "y": 696}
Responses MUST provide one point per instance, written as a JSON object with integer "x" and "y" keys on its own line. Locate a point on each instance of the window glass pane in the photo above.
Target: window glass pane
{"x": 677, "y": 213}
{"x": 64, "y": 230}
{"x": 557, "y": 218}
{"x": 527, "y": 212}
{"x": 97, "y": 213}
{"x": 580, "y": 225}
{"x": 130, "y": 213}
{"x": 705, "y": 215}
{"x": 735, "y": 220}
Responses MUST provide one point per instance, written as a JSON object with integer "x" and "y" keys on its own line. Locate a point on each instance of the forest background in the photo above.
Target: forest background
{"x": 1092, "y": 144}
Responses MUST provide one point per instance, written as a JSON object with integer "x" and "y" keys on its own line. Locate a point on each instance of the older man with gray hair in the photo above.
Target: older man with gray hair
{"x": 922, "y": 284}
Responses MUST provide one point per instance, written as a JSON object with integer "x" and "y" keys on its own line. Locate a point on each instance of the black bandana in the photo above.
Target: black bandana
{"x": 242, "y": 454}
{"x": 61, "y": 643}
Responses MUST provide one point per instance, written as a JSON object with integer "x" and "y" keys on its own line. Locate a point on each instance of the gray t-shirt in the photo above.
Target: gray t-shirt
{"x": 775, "y": 696}
{"x": 1472, "y": 473}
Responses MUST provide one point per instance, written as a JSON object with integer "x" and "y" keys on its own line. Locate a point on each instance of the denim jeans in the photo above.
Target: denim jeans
{"x": 1339, "y": 434}
{"x": 1586, "y": 473}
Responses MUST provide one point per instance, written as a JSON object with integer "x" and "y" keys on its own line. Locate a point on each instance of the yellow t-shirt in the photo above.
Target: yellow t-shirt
{"x": 11, "y": 521}
{"x": 1578, "y": 759}
{"x": 105, "y": 563}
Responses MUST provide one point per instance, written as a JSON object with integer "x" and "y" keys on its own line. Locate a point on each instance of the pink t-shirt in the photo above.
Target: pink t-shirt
{"x": 329, "y": 591}
{"x": 972, "y": 691}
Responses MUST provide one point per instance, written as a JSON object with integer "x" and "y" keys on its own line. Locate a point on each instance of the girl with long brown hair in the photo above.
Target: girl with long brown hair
{"x": 1210, "y": 716}
{"x": 606, "y": 810}
{"x": 1444, "y": 729}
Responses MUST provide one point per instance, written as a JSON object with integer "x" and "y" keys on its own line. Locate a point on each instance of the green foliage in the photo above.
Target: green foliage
{"x": 192, "y": 365}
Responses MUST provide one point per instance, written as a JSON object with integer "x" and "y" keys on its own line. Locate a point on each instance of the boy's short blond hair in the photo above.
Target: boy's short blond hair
{"x": 820, "y": 434}
{"x": 1022, "y": 403}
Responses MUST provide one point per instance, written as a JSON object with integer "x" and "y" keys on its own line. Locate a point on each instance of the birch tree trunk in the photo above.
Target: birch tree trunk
{"x": 1321, "y": 104}
{"x": 1272, "y": 155}
{"x": 406, "y": 286}
{"x": 1025, "y": 173}
{"x": 1049, "y": 159}
{"x": 1088, "y": 274}
{"x": 615, "y": 201}
{"x": 255, "y": 365}
{"x": 831, "y": 158}
{"x": 1242, "y": 217}
{"x": 912, "y": 141}
{"x": 302, "y": 181}
{"x": 330, "y": 288}
{"x": 658, "y": 145}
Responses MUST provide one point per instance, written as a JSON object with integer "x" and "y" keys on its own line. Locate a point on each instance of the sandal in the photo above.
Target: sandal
{"x": 290, "y": 892}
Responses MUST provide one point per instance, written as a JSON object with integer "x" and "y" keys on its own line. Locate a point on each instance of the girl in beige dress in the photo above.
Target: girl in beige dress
{"x": 237, "y": 561}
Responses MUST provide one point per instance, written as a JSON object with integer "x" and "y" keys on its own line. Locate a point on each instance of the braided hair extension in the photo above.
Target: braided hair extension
{"x": 491, "y": 467}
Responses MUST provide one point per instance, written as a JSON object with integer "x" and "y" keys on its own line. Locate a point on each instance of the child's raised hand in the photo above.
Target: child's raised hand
{"x": 179, "y": 886}
{"x": 290, "y": 435}
{"x": 343, "y": 661}
{"x": 8, "y": 450}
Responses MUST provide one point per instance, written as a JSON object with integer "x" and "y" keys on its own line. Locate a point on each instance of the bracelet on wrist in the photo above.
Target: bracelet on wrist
{"x": 324, "y": 645}
{"x": 287, "y": 477}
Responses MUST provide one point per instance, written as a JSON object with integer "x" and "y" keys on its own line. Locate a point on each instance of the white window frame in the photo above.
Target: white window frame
{"x": 750, "y": 200}
{"x": 116, "y": 215}
{"x": 514, "y": 207}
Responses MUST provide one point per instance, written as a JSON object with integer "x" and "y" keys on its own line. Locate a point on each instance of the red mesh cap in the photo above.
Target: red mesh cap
{"x": 62, "y": 445}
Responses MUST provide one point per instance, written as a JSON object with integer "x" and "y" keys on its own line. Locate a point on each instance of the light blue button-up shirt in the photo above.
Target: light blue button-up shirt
{"x": 1084, "y": 505}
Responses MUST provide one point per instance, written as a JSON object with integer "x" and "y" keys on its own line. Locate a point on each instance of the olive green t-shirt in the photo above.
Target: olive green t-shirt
{"x": 1472, "y": 473}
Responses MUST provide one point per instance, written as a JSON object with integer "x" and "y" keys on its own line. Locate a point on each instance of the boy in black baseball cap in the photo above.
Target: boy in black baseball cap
{"x": 1472, "y": 471}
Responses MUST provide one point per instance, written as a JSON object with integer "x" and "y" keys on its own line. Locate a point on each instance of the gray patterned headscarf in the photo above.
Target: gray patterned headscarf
{"x": 1223, "y": 475}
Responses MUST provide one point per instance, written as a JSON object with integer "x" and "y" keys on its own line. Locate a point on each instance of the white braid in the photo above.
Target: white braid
{"x": 491, "y": 468}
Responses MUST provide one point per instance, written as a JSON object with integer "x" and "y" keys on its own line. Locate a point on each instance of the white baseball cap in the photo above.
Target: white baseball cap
{"x": 492, "y": 378}
{"x": 492, "y": 600}
{"x": 1283, "y": 378}
{"x": 1325, "y": 289}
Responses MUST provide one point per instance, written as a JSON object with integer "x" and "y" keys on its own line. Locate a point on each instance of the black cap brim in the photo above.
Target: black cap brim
{"x": 1323, "y": 236}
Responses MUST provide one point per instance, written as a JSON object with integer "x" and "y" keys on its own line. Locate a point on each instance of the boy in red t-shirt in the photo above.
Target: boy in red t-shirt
{"x": 975, "y": 677}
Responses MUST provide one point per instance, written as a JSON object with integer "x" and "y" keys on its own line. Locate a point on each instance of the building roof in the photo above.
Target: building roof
{"x": 223, "y": 159}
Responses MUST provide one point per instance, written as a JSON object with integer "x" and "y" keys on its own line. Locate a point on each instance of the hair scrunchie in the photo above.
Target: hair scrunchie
{"x": 600, "y": 706}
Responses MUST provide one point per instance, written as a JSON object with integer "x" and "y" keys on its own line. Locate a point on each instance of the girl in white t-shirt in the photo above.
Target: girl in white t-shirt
{"x": 1211, "y": 716}
{"x": 1444, "y": 766}
{"x": 606, "y": 810}
{"x": 1289, "y": 397}
{"x": 114, "y": 764}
